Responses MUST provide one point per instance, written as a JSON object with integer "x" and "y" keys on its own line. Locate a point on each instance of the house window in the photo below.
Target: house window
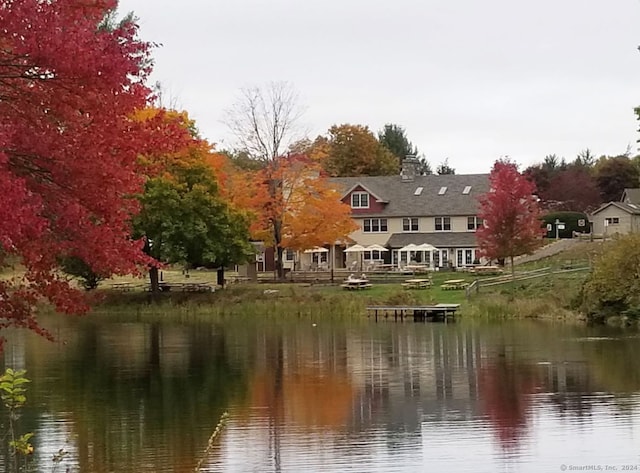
{"x": 289, "y": 254}
{"x": 372, "y": 255}
{"x": 359, "y": 200}
{"x": 443, "y": 224}
{"x": 473, "y": 223}
{"x": 611, "y": 221}
{"x": 466, "y": 190}
{"x": 374, "y": 225}
{"x": 442, "y": 190}
{"x": 410, "y": 224}
{"x": 319, "y": 257}
{"x": 468, "y": 257}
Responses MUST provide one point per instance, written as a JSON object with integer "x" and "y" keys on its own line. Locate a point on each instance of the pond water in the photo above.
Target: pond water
{"x": 331, "y": 396}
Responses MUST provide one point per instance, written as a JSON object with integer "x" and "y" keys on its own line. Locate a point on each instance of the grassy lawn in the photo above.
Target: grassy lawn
{"x": 540, "y": 297}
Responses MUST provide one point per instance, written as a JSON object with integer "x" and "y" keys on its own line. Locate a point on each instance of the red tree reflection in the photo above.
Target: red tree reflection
{"x": 506, "y": 389}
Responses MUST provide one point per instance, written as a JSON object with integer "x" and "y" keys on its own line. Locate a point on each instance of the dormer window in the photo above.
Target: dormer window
{"x": 360, "y": 200}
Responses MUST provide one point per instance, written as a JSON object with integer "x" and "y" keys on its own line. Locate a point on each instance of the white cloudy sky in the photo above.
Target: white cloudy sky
{"x": 470, "y": 80}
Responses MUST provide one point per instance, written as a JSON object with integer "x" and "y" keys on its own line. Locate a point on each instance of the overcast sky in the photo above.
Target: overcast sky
{"x": 469, "y": 80}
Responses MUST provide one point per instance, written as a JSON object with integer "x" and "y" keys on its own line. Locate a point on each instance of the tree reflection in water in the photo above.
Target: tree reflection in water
{"x": 506, "y": 388}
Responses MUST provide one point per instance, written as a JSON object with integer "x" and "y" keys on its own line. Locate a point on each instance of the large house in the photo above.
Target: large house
{"x": 618, "y": 217}
{"x": 395, "y": 211}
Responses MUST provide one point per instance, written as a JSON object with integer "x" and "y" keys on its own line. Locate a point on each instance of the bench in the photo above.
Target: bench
{"x": 417, "y": 284}
{"x": 454, "y": 284}
{"x": 123, "y": 286}
{"x": 357, "y": 285}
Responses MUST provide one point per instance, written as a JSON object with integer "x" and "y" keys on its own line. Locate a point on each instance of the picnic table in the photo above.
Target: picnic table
{"x": 486, "y": 269}
{"x": 197, "y": 287}
{"x": 184, "y": 287}
{"x": 454, "y": 284}
{"x": 123, "y": 286}
{"x": 418, "y": 268}
{"x": 417, "y": 284}
{"x": 356, "y": 284}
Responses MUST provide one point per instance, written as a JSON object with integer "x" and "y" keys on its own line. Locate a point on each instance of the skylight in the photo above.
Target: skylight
{"x": 466, "y": 190}
{"x": 442, "y": 190}
{"x": 418, "y": 191}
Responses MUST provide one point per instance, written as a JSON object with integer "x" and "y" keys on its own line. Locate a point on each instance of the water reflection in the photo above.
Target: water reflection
{"x": 506, "y": 388}
{"x": 327, "y": 397}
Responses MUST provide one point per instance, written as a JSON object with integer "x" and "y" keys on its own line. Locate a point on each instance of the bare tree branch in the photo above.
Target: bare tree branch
{"x": 265, "y": 121}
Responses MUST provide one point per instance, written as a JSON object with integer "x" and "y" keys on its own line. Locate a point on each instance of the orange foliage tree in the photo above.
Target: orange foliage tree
{"x": 294, "y": 205}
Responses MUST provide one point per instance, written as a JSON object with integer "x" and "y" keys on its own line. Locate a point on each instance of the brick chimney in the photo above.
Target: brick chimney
{"x": 409, "y": 169}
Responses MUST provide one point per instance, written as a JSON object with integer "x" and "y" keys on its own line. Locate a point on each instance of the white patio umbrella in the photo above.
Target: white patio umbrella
{"x": 406, "y": 249}
{"x": 317, "y": 249}
{"x": 356, "y": 249}
{"x": 427, "y": 248}
{"x": 314, "y": 250}
{"x": 409, "y": 247}
{"x": 376, "y": 247}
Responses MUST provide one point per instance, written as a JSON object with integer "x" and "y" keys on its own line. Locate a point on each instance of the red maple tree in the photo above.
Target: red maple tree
{"x": 510, "y": 214}
{"x": 68, "y": 148}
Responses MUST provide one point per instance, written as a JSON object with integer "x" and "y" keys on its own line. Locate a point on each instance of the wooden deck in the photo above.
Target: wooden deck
{"x": 420, "y": 313}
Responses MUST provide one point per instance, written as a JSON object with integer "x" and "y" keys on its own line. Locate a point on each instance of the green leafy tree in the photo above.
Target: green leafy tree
{"x": 243, "y": 160}
{"x": 614, "y": 284}
{"x": 614, "y": 174}
{"x": 13, "y": 392}
{"x": 585, "y": 159}
{"x": 551, "y": 162}
{"x": 77, "y": 267}
{"x": 353, "y": 150}
{"x": 184, "y": 220}
{"x": 394, "y": 138}
{"x": 444, "y": 168}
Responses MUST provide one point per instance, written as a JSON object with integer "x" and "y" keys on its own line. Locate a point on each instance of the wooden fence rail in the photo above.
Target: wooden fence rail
{"x": 522, "y": 276}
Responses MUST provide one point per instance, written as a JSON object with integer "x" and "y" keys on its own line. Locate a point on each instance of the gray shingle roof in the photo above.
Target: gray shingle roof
{"x": 403, "y": 203}
{"x": 633, "y": 209}
{"x": 632, "y": 195}
{"x": 439, "y": 240}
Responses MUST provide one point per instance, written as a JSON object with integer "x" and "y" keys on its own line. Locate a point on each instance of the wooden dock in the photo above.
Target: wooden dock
{"x": 420, "y": 313}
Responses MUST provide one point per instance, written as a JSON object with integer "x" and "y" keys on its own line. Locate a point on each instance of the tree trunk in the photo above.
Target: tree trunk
{"x": 332, "y": 259}
{"x": 279, "y": 251}
{"x": 276, "y": 220}
{"x": 279, "y": 265}
{"x": 513, "y": 278}
{"x": 221, "y": 276}
{"x": 154, "y": 280}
